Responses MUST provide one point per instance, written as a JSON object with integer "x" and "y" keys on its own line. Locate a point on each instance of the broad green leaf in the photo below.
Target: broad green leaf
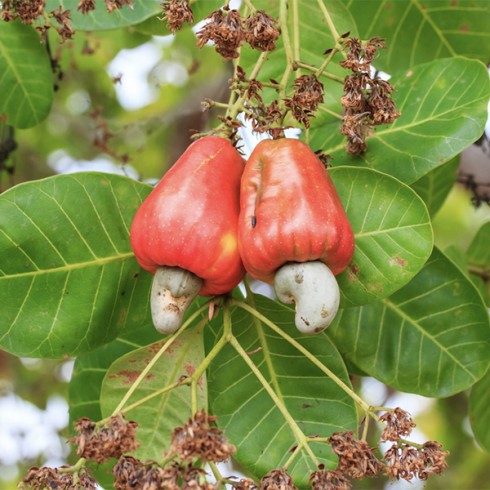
{"x": 68, "y": 277}
{"x": 90, "y": 368}
{"x": 246, "y": 412}
{"x": 310, "y": 36}
{"x": 157, "y": 416}
{"x": 101, "y": 19}
{"x": 432, "y": 337}
{"x": 26, "y": 81}
{"x": 478, "y": 258}
{"x": 444, "y": 110}
{"x": 479, "y": 412}
{"x": 392, "y": 231}
{"x": 478, "y": 254}
{"x": 435, "y": 186}
{"x": 418, "y": 31}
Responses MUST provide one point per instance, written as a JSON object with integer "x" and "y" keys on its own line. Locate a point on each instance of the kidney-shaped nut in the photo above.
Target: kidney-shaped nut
{"x": 312, "y": 287}
{"x": 172, "y": 291}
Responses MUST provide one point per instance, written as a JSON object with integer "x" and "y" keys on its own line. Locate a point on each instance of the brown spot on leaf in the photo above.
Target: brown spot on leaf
{"x": 398, "y": 261}
{"x": 454, "y": 3}
{"x": 129, "y": 377}
{"x": 464, "y": 27}
{"x": 154, "y": 348}
{"x": 352, "y": 271}
{"x": 189, "y": 369}
{"x": 388, "y": 6}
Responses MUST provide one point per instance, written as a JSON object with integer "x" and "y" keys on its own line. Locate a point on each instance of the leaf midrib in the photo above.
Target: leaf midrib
{"x": 71, "y": 267}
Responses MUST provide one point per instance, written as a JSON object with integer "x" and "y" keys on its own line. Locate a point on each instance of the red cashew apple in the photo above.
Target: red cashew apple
{"x": 293, "y": 230}
{"x": 185, "y": 232}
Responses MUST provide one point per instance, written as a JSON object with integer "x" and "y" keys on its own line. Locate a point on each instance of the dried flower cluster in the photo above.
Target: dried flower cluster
{"x": 177, "y": 13}
{"x": 26, "y": 11}
{"x": 261, "y": 31}
{"x": 85, "y": 6}
{"x": 43, "y": 478}
{"x": 277, "y": 480}
{"x": 108, "y": 441}
{"x": 113, "y": 5}
{"x": 199, "y": 439}
{"x": 308, "y": 95}
{"x": 130, "y": 472}
{"x": 227, "y": 30}
{"x": 367, "y": 101}
{"x": 407, "y": 462}
{"x": 356, "y": 458}
{"x": 245, "y": 484}
{"x": 398, "y": 424}
{"x": 62, "y": 17}
{"x": 329, "y": 480}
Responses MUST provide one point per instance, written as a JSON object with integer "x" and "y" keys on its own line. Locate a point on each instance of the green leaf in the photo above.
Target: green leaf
{"x": 478, "y": 254}
{"x": 68, "y": 279}
{"x": 435, "y": 186}
{"x": 479, "y": 413}
{"x": 101, "y": 19}
{"x": 159, "y": 415}
{"x": 90, "y": 370}
{"x": 248, "y": 415}
{"x": 478, "y": 259}
{"x": 432, "y": 337}
{"x": 26, "y": 82}
{"x": 418, "y": 31}
{"x": 392, "y": 231}
{"x": 444, "y": 110}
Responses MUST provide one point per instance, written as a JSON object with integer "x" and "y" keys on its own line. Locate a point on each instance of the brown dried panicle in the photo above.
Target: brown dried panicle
{"x": 356, "y": 129}
{"x": 177, "y": 13}
{"x": 112, "y": 5}
{"x": 195, "y": 479}
{"x": 308, "y": 95}
{"x": 261, "y": 31}
{"x": 62, "y": 17}
{"x": 26, "y": 11}
{"x": 199, "y": 439}
{"x": 399, "y": 424}
{"x": 361, "y": 55}
{"x": 366, "y": 101}
{"x": 277, "y": 480}
{"x": 356, "y": 458}
{"x": 44, "y": 477}
{"x": 329, "y": 480}
{"x": 266, "y": 119}
{"x": 225, "y": 29}
{"x": 433, "y": 458}
{"x": 244, "y": 484}
{"x": 130, "y": 472}
{"x": 111, "y": 440}
{"x": 380, "y": 103}
{"x": 402, "y": 462}
{"x": 85, "y": 6}
{"x": 407, "y": 462}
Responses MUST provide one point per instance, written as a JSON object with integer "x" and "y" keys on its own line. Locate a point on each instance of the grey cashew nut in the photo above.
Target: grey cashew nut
{"x": 172, "y": 292}
{"x": 313, "y": 288}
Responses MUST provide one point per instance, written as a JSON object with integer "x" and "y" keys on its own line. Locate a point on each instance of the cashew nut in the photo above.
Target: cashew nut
{"x": 313, "y": 288}
{"x": 172, "y": 292}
